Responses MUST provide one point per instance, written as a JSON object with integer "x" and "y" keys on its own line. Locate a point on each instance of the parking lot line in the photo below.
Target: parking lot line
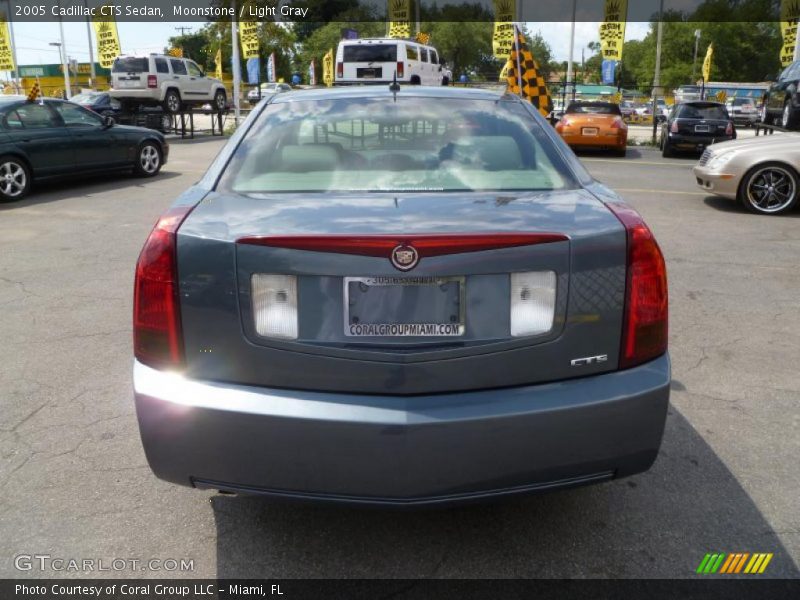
{"x": 637, "y": 163}
{"x": 650, "y": 191}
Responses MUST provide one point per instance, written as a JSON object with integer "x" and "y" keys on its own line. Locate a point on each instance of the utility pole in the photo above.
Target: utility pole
{"x": 237, "y": 67}
{"x": 63, "y": 48}
{"x": 694, "y": 61}
{"x": 657, "y": 75}
{"x": 92, "y": 75}
{"x": 570, "y": 74}
{"x": 183, "y": 29}
{"x": 416, "y": 12}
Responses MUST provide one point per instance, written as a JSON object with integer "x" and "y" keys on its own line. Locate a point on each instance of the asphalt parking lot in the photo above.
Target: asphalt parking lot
{"x": 75, "y": 483}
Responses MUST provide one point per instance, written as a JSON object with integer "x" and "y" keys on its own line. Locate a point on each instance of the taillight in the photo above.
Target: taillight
{"x": 400, "y": 69}
{"x": 339, "y": 70}
{"x": 617, "y": 123}
{"x": 674, "y": 127}
{"x": 152, "y": 81}
{"x": 645, "y": 323}
{"x": 564, "y": 122}
{"x": 157, "y": 339}
{"x": 729, "y": 129}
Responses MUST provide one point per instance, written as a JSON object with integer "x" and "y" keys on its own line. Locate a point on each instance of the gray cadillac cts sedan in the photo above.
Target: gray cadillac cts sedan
{"x": 399, "y": 297}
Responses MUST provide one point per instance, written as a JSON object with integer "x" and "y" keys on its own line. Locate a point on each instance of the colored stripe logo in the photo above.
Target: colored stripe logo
{"x": 737, "y": 562}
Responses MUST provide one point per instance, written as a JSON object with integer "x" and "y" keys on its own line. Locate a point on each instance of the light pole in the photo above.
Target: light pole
{"x": 17, "y": 80}
{"x": 64, "y": 66}
{"x": 92, "y": 75}
{"x": 570, "y": 74}
{"x": 657, "y": 75}
{"x": 694, "y": 61}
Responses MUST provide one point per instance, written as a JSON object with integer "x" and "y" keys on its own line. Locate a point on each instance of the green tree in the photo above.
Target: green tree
{"x": 195, "y": 45}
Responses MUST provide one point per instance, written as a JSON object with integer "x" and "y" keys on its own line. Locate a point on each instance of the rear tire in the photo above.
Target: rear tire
{"x": 148, "y": 159}
{"x": 15, "y": 179}
{"x": 621, "y": 152}
{"x": 445, "y": 80}
{"x": 220, "y": 100}
{"x": 172, "y": 102}
{"x": 415, "y": 80}
{"x": 790, "y": 119}
{"x": 770, "y": 189}
{"x": 666, "y": 149}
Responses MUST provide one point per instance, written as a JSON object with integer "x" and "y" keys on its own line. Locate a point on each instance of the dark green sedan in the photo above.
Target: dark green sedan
{"x": 51, "y": 138}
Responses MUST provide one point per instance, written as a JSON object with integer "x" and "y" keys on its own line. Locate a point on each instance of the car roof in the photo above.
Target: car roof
{"x": 382, "y": 91}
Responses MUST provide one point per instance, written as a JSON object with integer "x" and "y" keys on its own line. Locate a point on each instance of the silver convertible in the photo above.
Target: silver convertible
{"x": 399, "y": 296}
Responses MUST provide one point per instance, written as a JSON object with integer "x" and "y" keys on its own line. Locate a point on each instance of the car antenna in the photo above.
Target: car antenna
{"x": 394, "y": 86}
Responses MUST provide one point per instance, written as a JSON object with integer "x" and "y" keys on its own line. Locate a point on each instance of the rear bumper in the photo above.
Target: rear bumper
{"x": 148, "y": 94}
{"x": 696, "y": 142}
{"x": 605, "y": 139}
{"x": 402, "y": 450}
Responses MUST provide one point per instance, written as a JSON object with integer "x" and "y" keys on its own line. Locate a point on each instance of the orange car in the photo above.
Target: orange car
{"x": 595, "y": 125}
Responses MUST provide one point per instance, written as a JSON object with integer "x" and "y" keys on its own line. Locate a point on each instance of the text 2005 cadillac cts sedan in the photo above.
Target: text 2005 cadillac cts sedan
{"x": 404, "y": 297}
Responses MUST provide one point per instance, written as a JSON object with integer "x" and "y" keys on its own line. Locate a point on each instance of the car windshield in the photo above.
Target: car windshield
{"x": 703, "y": 111}
{"x": 129, "y": 65}
{"x": 84, "y": 98}
{"x": 743, "y": 102}
{"x": 370, "y": 53}
{"x": 411, "y": 144}
{"x": 594, "y": 108}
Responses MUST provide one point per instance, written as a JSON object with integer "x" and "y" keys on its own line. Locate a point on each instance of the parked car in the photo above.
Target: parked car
{"x": 594, "y": 124}
{"x": 691, "y": 126}
{"x": 379, "y": 60}
{"x": 165, "y": 80}
{"x": 627, "y": 108}
{"x": 53, "y": 138}
{"x": 743, "y": 111}
{"x": 100, "y": 102}
{"x": 762, "y": 173}
{"x": 688, "y": 93}
{"x": 379, "y": 296}
{"x": 782, "y": 100}
{"x": 255, "y": 95}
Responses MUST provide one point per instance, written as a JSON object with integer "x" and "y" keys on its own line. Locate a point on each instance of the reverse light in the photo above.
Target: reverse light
{"x": 533, "y": 302}
{"x": 157, "y": 340}
{"x": 152, "y": 81}
{"x": 274, "y": 299}
{"x": 645, "y": 322}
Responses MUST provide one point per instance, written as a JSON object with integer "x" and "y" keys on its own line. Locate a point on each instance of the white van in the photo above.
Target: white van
{"x": 377, "y": 60}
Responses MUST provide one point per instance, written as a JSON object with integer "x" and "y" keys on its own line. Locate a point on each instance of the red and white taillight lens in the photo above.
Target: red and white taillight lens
{"x": 674, "y": 127}
{"x": 645, "y": 323}
{"x": 618, "y": 123}
{"x": 152, "y": 81}
{"x": 401, "y": 72}
{"x": 729, "y": 129}
{"x": 339, "y": 70}
{"x": 157, "y": 339}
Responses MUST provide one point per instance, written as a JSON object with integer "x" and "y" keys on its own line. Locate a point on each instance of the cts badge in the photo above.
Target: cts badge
{"x": 404, "y": 257}
{"x": 589, "y": 360}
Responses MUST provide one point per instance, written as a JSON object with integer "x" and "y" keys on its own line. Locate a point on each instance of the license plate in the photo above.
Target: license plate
{"x": 590, "y": 131}
{"x": 701, "y": 128}
{"x": 404, "y": 306}
{"x": 369, "y": 73}
{"x": 128, "y": 83}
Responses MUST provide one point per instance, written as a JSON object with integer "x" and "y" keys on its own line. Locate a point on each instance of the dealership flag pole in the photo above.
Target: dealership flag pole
{"x": 65, "y": 66}
{"x": 17, "y": 80}
{"x": 236, "y": 66}
{"x": 92, "y": 75}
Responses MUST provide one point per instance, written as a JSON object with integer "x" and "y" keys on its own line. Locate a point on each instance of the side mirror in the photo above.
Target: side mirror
{"x": 108, "y": 121}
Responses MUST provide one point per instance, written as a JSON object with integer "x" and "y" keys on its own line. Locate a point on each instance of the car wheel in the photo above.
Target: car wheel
{"x": 148, "y": 160}
{"x": 765, "y": 118}
{"x": 621, "y": 152}
{"x": 666, "y": 148}
{"x": 789, "y": 116}
{"x": 15, "y": 178}
{"x": 220, "y": 100}
{"x": 445, "y": 80}
{"x": 166, "y": 123}
{"x": 172, "y": 102}
{"x": 770, "y": 189}
{"x": 415, "y": 80}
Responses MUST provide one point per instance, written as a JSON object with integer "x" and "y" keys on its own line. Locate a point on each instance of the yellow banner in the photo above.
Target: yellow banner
{"x": 399, "y": 18}
{"x": 612, "y": 29}
{"x": 248, "y": 39}
{"x": 6, "y": 55}
{"x": 176, "y": 52}
{"x": 327, "y": 68}
{"x": 790, "y": 14}
{"x": 503, "y": 37}
{"x": 105, "y": 30}
{"x": 707, "y": 63}
{"x": 218, "y": 64}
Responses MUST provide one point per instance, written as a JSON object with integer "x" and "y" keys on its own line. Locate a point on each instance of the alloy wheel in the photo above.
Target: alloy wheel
{"x": 771, "y": 189}
{"x": 787, "y": 111}
{"x": 149, "y": 159}
{"x": 173, "y": 103}
{"x": 13, "y": 179}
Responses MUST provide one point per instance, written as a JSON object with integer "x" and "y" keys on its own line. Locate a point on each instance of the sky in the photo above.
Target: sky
{"x": 32, "y": 39}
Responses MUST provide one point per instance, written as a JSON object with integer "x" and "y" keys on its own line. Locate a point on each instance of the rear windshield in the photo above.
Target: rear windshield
{"x": 407, "y": 145}
{"x": 370, "y": 53}
{"x": 742, "y": 101}
{"x": 691, "y": 111}
{"x": 129, "y": 65}
{"x": 594, "y": 108}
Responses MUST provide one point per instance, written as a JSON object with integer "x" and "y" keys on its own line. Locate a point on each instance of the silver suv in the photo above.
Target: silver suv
{"x": 166, "y": 80}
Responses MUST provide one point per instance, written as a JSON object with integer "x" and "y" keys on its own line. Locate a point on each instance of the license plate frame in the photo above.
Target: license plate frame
{"x": 702, "y": 129}
{"x": 398, "y": 330}
{"x": 590, "y": 131}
